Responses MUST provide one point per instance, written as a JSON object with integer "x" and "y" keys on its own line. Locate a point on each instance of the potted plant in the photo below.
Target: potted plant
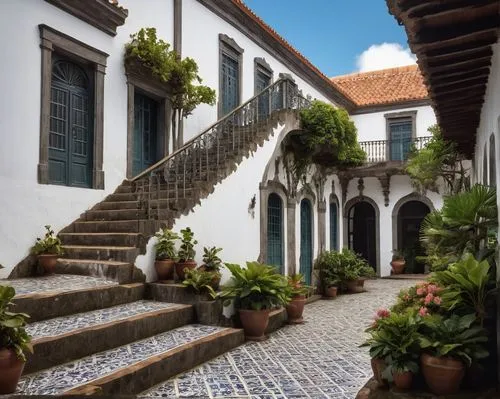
{"x": 298, "y": 291}
{"x": 14, "y": 342}
{"x": 329, "y": 264}
{"x": 212, "y": 263}
{"x": 450, "y": 344}
{"x": 365, "y": 272}
{"x": 186, "y": 253}
{"x": 255, "y": 291}
{"x": 200, "y": 281}
{"x": 398, "y": 262}
{"x": 47, "y": 250}
{"x": 165, "y": 254}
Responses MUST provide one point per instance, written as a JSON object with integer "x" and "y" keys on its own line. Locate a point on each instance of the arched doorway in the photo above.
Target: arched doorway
{"x": 410, "y": 217}
{"x": 362, "y": 233}
{"x": 275, "y": 231}
{"x": 306, "y": 241}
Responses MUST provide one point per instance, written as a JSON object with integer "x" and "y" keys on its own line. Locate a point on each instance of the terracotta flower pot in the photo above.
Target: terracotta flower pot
{"x": 10, "y": 371}
{"x": 360, "y": 284}
{"x": 331, "y": 292}
{"x": 378, "y": 367}
{"x": 165, "y": 269}
{"x": 254, "y": 323}
{"x": 180, "y": 266}
{"x": 48, "y": 262}
{"x": 352, "y": 286}
{"x": 443, "y": 374}
{"x": 295, "y": 309}
{"x": 403, "y": 380}
{"x": 215, "y": 280}
{"x": 398, "y": 266}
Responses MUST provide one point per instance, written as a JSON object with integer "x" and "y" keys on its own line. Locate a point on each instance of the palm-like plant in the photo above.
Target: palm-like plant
{"x": 257, "y": 287}
{"x": 463, "y": 224}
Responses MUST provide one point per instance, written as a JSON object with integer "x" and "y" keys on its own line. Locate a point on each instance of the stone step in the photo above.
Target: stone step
{"x": 124, "y": 188}
{"x": 119, "y": 197}
{"x": 112, "y": 205}
{"x": 121, "y": 272}
{"x": 132, "y": 368}
{"x": 115, "y": 214}
{"x": 63, "y": 294}
{"x": 114, "y": 226}
{"x": 114, "y": 253}
{"x": 102, "y": 239}
{"x": 60, "y": 340}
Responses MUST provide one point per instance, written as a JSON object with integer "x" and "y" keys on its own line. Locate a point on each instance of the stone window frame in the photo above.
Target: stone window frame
{"x": 158, "y": 92}
{"x": 492, "y": 161}
{"x": 333, "y": 199}
{"x": 398, "y": 117}
{"x": 228, "y": 46}
{"x": 260, "y": 65}
{"x": 99, "y": 13}
{"x": 52, "y": 41}
{"x": 484, "y": 174}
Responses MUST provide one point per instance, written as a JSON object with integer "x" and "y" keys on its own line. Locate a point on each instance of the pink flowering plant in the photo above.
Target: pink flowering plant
{"x": 424, "y": 298}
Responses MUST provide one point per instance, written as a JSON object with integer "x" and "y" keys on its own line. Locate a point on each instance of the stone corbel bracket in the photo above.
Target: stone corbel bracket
{"x": 385, "y": 182}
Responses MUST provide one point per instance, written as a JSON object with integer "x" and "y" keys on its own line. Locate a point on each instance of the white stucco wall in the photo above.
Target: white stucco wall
{"x": 372, "y": 126}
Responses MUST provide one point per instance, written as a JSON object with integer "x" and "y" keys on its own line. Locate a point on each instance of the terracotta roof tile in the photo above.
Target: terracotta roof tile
{"x": 387, "y": 86}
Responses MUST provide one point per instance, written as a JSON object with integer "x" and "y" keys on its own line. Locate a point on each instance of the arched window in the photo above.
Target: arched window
{"x": 275, "y": 231}
{"x": 334, "y": 222}
{"x": 485, "y": 165}
{"x": 493, "y": 162}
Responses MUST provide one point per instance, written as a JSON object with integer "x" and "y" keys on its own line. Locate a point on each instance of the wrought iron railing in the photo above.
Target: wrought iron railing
{"x": 392, "y": 150}
{"x": 206, "y": 158}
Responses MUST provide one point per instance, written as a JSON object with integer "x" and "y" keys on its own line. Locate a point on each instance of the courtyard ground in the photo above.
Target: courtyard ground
{"x": 318, "y": 359}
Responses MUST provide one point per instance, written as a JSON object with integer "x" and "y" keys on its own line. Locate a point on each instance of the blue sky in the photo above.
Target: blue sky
{"x": 333, "y": 34}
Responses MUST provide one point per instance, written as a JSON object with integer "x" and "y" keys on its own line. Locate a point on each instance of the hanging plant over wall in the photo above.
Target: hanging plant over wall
{"x": 180, "y": 75}
{"x": 328, "y": 137}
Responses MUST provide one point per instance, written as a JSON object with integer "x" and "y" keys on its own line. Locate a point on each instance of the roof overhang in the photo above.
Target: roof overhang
{"x": 453, "y": 42}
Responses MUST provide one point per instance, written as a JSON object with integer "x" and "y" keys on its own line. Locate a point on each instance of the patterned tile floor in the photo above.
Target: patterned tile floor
{"x": 63, "y": 325}
{"x": 61, "y": 378}
{"x": 55, "y": 283}
{"x": 318, "y": 359}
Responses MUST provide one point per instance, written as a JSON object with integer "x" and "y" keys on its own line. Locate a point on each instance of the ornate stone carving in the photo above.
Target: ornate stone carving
{"x": 385, "y": 182}
{"x": 361, "y": 186}
{"x": 344, "y": 184}
{"x": 319, "y": 180}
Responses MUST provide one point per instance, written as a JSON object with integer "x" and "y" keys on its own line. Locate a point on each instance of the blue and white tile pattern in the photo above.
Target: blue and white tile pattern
{"x": 66, "y": 324}
{"x": 319, "y": 359}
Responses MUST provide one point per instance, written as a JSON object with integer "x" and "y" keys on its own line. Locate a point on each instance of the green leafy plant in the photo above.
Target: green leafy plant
{"x": 12, "y": 332}
{"x": 211, "y": 260}
{"x": 256, "y": 287}
{"x": 468, "y": 284}
{"x": 187, "y": 251}
{"x": 438, "y": 159}
{"x": 454, "y": 336}
{"x": 297, "y": 285}
{"x": 397, "y": 254}
{"x": 165, "y": 246}
{"x": 181, "y": 76}
{"x": 49, "y": 244}
{"x": 463, "y": 224}
{"x": 200, "y": 281}
{"x": 395, "y": 338}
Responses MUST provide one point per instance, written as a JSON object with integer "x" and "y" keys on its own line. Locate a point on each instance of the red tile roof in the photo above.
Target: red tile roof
{"x": 387, "y": 86}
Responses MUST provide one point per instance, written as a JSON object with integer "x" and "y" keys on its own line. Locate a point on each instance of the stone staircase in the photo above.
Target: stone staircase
{"x": 107, "y": 239}
{"x": 94, "y": 336}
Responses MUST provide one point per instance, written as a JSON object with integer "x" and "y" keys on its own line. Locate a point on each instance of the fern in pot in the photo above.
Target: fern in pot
{"x": 186, "y": 253}
{"x": 255, "y": 291}
{"x": 47, "y": 250}
{"x": 165, "y": 254}
{"x": 14, "y": 342}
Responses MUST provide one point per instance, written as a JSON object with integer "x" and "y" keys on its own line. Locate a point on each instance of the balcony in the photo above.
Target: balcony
{"x": 392, "y": 150}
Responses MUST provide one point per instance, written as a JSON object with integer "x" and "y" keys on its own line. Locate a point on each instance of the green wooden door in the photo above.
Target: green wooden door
{"x": 145, "y": 133}
{"x": 275, "y": 232}
{"x": 70, "y": 135}
{"x": 306, "y": 243}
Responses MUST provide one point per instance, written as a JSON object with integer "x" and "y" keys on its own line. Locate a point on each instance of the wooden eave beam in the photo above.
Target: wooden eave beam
{"x": 472, "y": 37}
{"x": 461, "y": 65}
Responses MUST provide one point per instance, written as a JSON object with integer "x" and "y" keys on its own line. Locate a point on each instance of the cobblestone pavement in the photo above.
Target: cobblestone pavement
{"x": 318, "y": 359}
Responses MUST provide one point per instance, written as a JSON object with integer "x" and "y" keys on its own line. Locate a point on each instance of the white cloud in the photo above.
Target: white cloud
{"x": 385, "y": 55}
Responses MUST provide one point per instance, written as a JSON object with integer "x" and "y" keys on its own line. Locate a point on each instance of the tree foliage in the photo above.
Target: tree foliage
{"x": 330, "y": 130}
{"x": 438, "y": 159}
